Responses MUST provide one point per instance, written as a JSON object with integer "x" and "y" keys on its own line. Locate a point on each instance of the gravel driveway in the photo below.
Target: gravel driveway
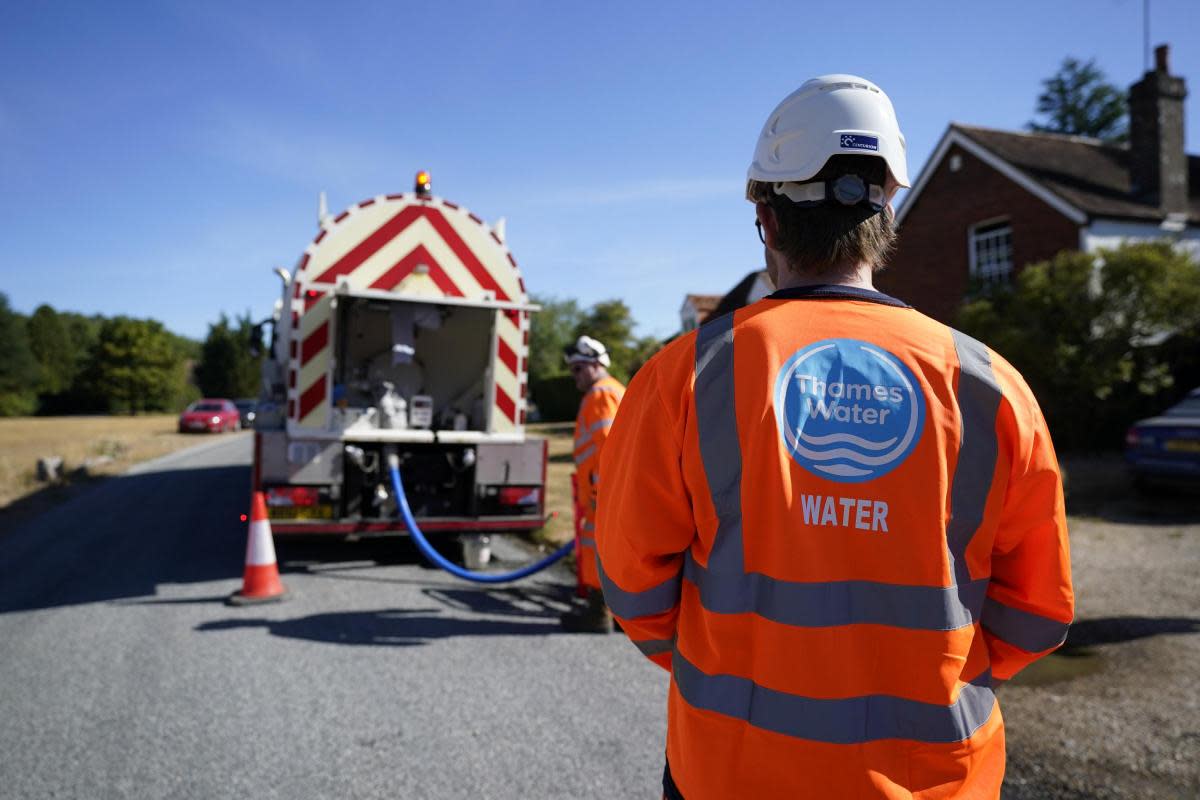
{"x": 1116, "y": 712}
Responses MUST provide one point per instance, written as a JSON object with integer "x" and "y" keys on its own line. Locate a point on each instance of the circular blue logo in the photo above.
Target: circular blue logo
{"x": 848, "y": 410}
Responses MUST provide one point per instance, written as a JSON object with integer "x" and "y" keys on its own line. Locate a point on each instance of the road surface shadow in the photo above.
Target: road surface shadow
{"x": 299, "y": 553}
{"x": 1112, "y": 630}
{"x": 1101, "y": 486}
{"x": 539, "y": 600}
{"x": 1081, "y": 655}
{"x": 126, "y": 536}
{"x": 390, "y": 628}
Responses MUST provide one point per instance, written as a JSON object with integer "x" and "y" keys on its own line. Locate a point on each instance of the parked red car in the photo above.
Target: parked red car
{"x": 212, "y": 415}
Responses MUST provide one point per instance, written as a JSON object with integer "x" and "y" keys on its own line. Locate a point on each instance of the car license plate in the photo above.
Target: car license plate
{"x": 1182, "y": 445}
{"x": 319, "y": 511}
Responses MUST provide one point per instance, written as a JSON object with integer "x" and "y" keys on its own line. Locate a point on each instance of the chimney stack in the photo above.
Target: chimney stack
{"x": 1158, "y": 164}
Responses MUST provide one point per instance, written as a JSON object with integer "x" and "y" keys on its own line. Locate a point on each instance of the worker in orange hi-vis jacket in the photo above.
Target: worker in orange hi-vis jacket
{"x": 837, "y": 522}
{"x": 588, "y": 360}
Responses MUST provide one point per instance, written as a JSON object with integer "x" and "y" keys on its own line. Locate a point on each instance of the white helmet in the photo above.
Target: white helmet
{"x": 587, "y": 350}
{"x": 829, "y": 116}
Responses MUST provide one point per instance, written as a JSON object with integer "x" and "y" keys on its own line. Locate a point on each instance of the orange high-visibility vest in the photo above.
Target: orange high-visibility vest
{"x": 838, "y": 523}
{"x": 596, "y": 413}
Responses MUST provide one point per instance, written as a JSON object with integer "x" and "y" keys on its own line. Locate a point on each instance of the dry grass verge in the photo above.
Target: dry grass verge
{"x": 561, "y": 528}
{"x": 112, "y": 443}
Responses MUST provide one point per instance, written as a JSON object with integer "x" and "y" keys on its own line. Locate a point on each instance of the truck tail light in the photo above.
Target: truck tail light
{"x": 519, "y": 496}
{"x": 288, "y": 496}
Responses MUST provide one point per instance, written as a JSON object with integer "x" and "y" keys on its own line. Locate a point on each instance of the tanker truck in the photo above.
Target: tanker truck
{"x": 403, "y": 327}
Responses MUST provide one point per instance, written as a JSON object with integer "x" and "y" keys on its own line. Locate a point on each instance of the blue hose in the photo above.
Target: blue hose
{"x": 433, "y": 555}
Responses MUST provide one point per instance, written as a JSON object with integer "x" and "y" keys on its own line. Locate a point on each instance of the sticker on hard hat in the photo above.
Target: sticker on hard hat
{"x": 848, "y": 410}
{"x": 853, "y": 141}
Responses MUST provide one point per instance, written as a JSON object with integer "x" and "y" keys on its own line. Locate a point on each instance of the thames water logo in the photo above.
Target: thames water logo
{"x": 852, "y": 141}
{"x": 848, "y": 410}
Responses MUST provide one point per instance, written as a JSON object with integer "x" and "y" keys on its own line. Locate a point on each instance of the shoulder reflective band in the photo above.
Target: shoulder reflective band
{"x": 1032, "y": 633}
{"x": 850, "y": 720}
{"x": 586, "y": 436}
{"x": 654, "y": 647}
{"x": 605, "y": 388}
{"x": 978, "y": 401}
{"x": 720, "y": 451}
{"x": 585, "y": 455}
{"x": 645, "y": 603}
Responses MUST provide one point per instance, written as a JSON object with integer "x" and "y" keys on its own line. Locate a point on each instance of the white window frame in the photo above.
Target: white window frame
{"x": 993, "y": 236}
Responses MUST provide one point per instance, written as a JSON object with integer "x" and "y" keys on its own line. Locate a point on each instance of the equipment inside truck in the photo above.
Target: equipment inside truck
{"x": 411, "y": 365}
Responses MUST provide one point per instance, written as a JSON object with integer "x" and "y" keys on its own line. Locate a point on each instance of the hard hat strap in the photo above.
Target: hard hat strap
{"x": 846, "y": 190}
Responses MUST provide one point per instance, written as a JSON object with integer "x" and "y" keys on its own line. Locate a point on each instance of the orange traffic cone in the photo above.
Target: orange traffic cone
{"x": 260, "y": 582}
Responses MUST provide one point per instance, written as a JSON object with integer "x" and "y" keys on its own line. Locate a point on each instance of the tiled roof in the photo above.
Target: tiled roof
{"x": 703, "y": 303}
{"x": 1087, "y": 173}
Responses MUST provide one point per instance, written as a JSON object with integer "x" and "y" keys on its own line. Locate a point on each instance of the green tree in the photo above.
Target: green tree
{"x": 135, "y": 365}
{"x": 551, "y": 330}
{"x": 226, "y": 367}
{"x": 50, "y": 341}
{"x": 18, "y": 367}
{"x": 1078, "y": 100}
{"x": 77, "y": 396}
{"x": 611, "y": 322}
{"x": 1088, "y": 331}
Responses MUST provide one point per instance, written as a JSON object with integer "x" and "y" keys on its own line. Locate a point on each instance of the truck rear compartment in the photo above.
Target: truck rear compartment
{"x": 345, "y": 487}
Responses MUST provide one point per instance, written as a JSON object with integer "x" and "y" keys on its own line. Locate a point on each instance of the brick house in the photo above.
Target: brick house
{"x": 989, "y": 201}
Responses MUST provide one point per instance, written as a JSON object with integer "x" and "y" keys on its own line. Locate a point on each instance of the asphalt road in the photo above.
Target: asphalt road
{"x": 124, "y": 675}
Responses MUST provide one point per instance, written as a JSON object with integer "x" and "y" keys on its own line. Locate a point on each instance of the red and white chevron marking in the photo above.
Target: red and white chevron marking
{"x": 415, "y": 247}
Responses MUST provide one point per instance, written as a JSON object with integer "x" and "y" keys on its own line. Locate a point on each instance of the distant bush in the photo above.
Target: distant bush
{"x": 18, "y": 367}
{"x": 557, "y": 398}
{"x": 1098, "y": 336}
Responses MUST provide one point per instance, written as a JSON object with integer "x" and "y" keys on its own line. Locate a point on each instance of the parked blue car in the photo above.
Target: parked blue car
{"x": 1167, "y": 446}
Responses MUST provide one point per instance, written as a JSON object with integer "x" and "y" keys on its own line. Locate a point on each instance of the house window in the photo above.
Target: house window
{"x": 991, "y": 251}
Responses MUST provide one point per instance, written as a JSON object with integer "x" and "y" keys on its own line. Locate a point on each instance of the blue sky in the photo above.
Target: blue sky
{"x": 158, "y": 158}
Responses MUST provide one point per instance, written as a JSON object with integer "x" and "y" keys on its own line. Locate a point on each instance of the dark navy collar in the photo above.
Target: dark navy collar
{"x": 835, "y": 291}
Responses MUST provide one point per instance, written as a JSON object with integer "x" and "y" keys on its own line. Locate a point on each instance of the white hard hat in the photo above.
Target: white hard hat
{"x": 829, "y": 116}
{"x": 587, "y": 350}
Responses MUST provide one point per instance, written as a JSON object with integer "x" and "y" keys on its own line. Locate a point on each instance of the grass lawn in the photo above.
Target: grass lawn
{"x": 125, "y": 440}
{"x": 561, "y": 435}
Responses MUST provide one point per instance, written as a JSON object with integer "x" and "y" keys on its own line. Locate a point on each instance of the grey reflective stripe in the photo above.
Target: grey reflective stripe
{"x": 654, "y": 647}
{"x": 726, "y": 588}
{"x": 1030, "y": 632}
{"x": 851, "y": 720}
{"x": 820, "y": 605}
{"x": 585, "y": 455}
{"x": 588, "y": 526}
{"x": 588, "y": 542}
{"x": 720, "y": 450}
{"x": 978, "y": 402}
{"x": 587, "y": 435}
{"x": 632, "y": 605}
{"x": 610, "y": 389}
